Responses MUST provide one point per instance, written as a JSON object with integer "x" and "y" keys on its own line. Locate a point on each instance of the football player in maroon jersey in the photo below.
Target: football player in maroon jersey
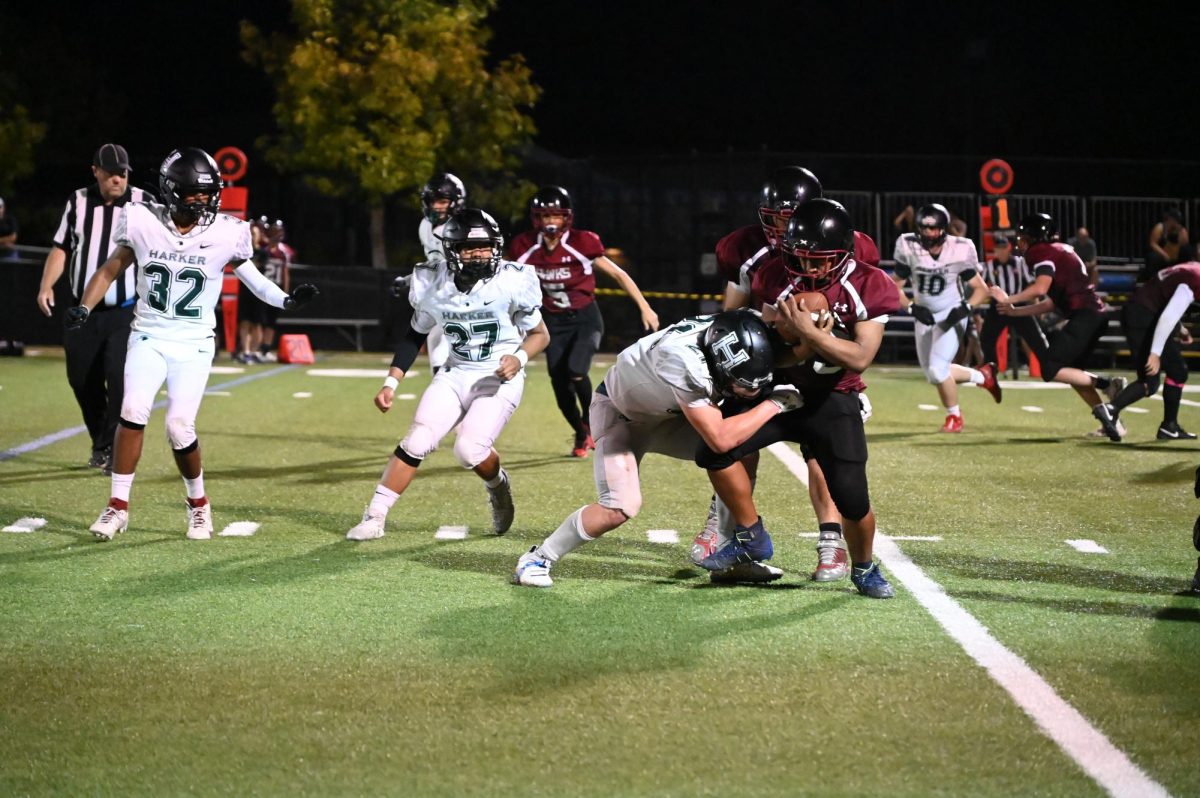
{"x": 565, "y": 259}
{"x": 1150, "y": 320}
{"x": 739, "y": 256}
{"x": 1060, "y": 282}
{"x": 816, "y": 255}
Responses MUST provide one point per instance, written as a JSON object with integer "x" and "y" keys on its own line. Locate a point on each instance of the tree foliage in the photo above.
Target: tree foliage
{"x": 374, "y": 96}
{"x": 18, "y": 136}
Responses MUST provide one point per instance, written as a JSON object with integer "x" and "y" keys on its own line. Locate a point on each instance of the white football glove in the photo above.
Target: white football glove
{"x": 864, "y": 407}
{"x": 786, "y": 397}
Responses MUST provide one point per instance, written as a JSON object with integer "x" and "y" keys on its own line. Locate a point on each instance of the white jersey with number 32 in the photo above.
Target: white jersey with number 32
{"x": 179, "y": 276}
{"x": 484, "y": 324}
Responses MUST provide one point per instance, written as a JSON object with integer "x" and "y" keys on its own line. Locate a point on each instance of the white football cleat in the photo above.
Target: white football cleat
{"x": 110, "y": 522}
{"x": 533, "y": 570}
{"x": 200, "y": 525}
{"x": 369, "y": 528}
{"x": 752, "y": 573}
{"x": 502, "y": 504}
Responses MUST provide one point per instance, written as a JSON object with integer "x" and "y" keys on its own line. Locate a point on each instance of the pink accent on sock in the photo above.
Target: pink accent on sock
{"x": 118, "y": 504}
{"x": 1174, "y": 384}
{"x": 203, "y": 500}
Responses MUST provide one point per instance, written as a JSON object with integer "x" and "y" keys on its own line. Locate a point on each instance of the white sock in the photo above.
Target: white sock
{"x": 383, "y": 500}
{"x": 954, "y": 411}
{"x": 564, "y": 540}
{"x": 121, "y": 484}
{"x": 495, "y": 483}
{"x": 976, "y": 377}
{"x": 195, "y": 487}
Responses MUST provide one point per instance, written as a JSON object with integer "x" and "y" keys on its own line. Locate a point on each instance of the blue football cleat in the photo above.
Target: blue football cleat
{"x": 870, "y": 582}
{"x": 749, "y": 544}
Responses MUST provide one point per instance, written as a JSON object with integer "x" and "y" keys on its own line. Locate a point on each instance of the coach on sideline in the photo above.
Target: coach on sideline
{"x": 96, "y": 350}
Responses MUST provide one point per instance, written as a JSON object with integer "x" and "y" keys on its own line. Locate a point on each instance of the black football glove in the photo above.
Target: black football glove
{"x": 921, "y": 313}
{"x": 400, "y": 285}
{"x": 301, "y": 295}
{"x": 77, "y": 316}
{"x": 954, "y": 317}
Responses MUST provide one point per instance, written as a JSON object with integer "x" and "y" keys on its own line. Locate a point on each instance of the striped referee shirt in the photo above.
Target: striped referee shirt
{"x": 1012, "y": 277}
{"x": 85, "y": 233}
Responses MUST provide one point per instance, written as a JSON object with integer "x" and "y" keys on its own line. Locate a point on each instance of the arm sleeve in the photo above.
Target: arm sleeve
{"x": 262, "y": 288}
{"x": 1170, "y": 317}
{"x": 120, "y": 236}
{"x": 408, "y": 348}
{"x": 1043, "y": 267}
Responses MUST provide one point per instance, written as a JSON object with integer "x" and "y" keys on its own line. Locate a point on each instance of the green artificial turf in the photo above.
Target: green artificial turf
{"x": 295, "y": 662}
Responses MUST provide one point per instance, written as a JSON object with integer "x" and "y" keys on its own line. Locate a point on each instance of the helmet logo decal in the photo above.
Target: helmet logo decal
{"x": 723, "y": 350}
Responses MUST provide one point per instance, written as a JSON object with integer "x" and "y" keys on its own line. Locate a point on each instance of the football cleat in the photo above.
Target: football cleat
{"x": 991, "y": 382}
{"x": 833, "y": 561}
{"x": 533, "y": 570}
{"x": 1115, "y": 386}
{"x": 1100, "y": 433}
{"x": 746, "y": 573}
{"x": 98, "y": 457}
{"x": 870, "y": 582}
{"x": 953, "y": 423}
{"x": 502, "y": 504}
{"x": 1171, "y": 431}
{"x": 369, "y": 528}
{"x": 200, "y": 525}
{"x": 709, "y": 539}
{"x": 111, "y": 522}
{"x": 749, "y": 544}
{"x": 1107, "y": 417}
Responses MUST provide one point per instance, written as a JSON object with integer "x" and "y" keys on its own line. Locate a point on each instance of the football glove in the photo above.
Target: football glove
{"x": 921, "y": 314}
{"x": 786, "y": 398}
{"x": 300, "y": 296}
{"x": 77, "y": 316}
{"x": 954, "y": 317}
{"x": 400, "y": 285}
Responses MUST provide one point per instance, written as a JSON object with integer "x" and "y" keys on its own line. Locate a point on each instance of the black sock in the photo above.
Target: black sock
{"x": 1133, "y": 392}
{"x": 583, "y": 392}
{"x": 1102, "y": 382}
{"x": 564, "y": 397}
{"x": 1172, "y": 394}
{"x": 832, "y": 527}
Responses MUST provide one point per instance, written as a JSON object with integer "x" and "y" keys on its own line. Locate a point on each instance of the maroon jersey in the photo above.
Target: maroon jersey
{"x": 741, "y": 252}
{"x": 1156, "y": 293}
{"x": 864, "y": 293}
{"x": 1071, "y": 289}
{"x": 565, "y": 271}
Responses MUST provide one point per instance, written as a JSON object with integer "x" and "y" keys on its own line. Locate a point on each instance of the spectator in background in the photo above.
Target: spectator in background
{"x": 1169, "y": 245}
{"x": 1085, "y": 248}
{"x": 8, "y": 233}
{"x": 250, "y": 310}
{"x": 904, "y": 223}
{"x": 277, "y": 269}
{"x": 957, "y": 227}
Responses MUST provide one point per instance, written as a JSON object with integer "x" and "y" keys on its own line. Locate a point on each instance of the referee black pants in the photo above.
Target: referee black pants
{"x": 96, "y": 370}
{"x": 994, "y": 324}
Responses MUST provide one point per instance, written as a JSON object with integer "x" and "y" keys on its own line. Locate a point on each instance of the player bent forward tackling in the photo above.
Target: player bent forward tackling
{"x": 484, "y": 306}
{"x": 661, "y": 396}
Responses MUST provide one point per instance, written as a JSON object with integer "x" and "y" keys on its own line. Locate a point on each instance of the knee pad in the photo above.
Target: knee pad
{"x": 419, "y": 442}
{"x": 1151, "y": 384}
{"x": 630, "y": 506}
{"x": 134, "y": 412}
{"x": 849, "y": 491}
{"x": 470, "y": 452}
{"x": 181, "y": 432}
{"x": 131, "y": 425}
{"x": 191, "y": 447}
{"x": 934, "y": 375}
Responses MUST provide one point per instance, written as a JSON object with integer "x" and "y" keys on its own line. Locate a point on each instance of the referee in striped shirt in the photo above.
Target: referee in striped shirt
{"x": 1009, "y": 271}
{"x": 96, "y": 350}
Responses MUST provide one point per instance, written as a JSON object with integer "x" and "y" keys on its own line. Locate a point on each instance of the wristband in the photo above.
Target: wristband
{"x": 521, "y": 355}
{"x": 391, "y": 382}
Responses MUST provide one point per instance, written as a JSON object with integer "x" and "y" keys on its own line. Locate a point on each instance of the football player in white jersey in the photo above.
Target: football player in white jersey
{"x": 661, "y": 396}
{"x": 181, "y": 250}
{"x": 934, "y": 262}
{"x": 489, "y": 311}
{"x": 443, "y": 195}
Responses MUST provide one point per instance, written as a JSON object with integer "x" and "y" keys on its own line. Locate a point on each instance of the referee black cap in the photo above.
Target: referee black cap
{"x": 111, "y": 158}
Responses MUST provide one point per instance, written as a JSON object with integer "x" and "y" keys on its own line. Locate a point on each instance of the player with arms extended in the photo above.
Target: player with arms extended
{"x": 662, "y": 396}
{"x": 566, "y": 259}
{"x": 937, "y": 264}
{"x": 488, "y": 309}
{"x": 181, "y": 249}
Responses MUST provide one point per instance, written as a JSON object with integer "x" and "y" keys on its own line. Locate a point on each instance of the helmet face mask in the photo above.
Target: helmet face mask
{"x": 740, "y": 357}
{"x": 189, "y": 183}
{"x": 932, "y": 221}
{"x": 547, "y": 205}
{"x": 441, "y": 197}
{"x": 788, "y": 188}
{"x": 818, "y": 244}
{"x": 473, "y": 245}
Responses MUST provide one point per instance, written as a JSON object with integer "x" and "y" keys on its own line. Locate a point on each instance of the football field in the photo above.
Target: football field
{"x": 1016, "y": 659}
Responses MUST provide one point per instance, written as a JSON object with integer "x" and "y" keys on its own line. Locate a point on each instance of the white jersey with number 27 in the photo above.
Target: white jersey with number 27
{"x": 179, "y": 276}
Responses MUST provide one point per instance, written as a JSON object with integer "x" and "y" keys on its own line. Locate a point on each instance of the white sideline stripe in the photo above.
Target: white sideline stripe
{"x": 927, "y": 407}
{"x": 377, "y": 374}
{"x": 451, "y": 533}
{"x": 1135, "y": 410}
{"x": 239, "y": 529}
{"x": 1106, "y": 764}
{"x": 405, "y": 396}
{"x": 26, "y": 525}
{"x": 302, "y": 395}
{"x": 662, "y": 536}
{"x": 217, "y": 393}
{"x": 1158, "y": 398}
{"x": 927, "y": 538}
{"x": 70, "y": 432}
{"x": 1031, "y": 408}
{"x": 226, "y": 370}
{"x": 1086, "y": 546}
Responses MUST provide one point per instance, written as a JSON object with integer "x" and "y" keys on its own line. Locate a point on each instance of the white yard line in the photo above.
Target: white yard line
{"x": 662, "y": 535}
{"x": 1086, "y": 546}
{"x": 1086, "y": 745}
